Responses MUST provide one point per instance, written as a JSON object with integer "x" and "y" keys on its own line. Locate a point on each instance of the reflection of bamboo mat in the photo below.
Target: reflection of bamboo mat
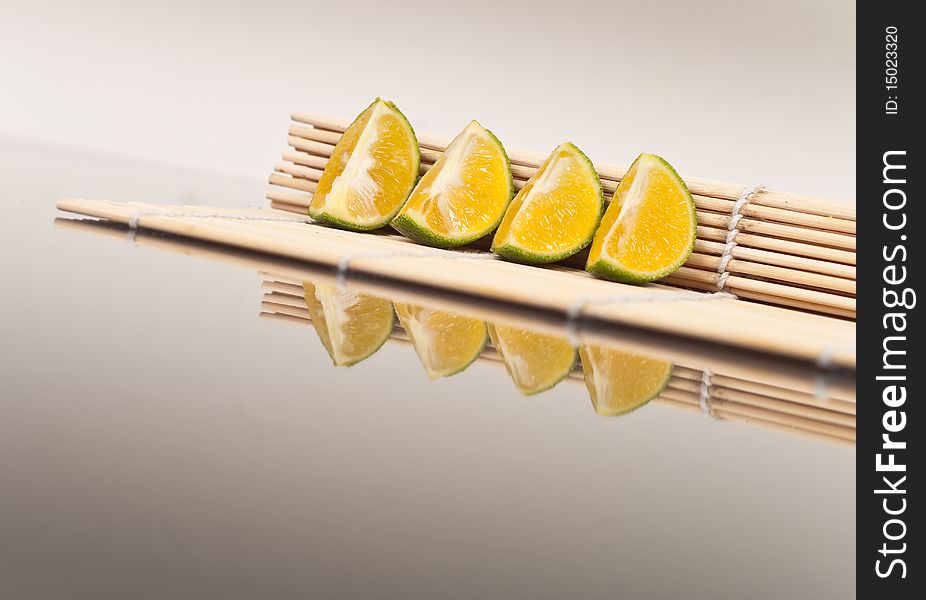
{"x": 559, "y": 291}
{"x": 728, "y": 398}
{"x": 770, "y": 246}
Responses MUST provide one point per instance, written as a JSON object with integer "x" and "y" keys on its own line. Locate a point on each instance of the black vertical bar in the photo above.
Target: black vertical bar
{"x": 890, "y": 256}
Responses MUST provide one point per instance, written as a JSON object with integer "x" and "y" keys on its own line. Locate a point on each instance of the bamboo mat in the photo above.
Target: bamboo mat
{"x": 760, "y": 402}
{"x": 768, "y": 247}
{"x": 585, "y": 303}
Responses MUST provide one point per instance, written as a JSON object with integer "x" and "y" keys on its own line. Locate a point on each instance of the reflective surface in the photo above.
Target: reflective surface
{"x": 160, "y": 440}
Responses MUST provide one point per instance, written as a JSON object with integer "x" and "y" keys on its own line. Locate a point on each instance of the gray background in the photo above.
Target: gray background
{"x": 743, "y": 91}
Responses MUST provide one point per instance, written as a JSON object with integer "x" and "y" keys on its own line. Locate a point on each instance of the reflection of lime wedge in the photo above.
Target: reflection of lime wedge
{"x": 463, "y": 196}
{"x": 649, "y": 230}
{"x": 535, "y": 361}
{"x": 446, "y": 343}
{"x": 620, "y": 382}
{"x": 555, "y": 214}
{"x": 352, "y": 326}
{"x": 371, "y": 171}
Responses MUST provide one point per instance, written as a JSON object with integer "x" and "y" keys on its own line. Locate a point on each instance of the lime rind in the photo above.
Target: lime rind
{"x": 328, "y": 219}
{"x": 609, "y": 269}
{"x": 515, "y": 253}
{"x": 412, "y": 228}
{"x": 415, "y": 231}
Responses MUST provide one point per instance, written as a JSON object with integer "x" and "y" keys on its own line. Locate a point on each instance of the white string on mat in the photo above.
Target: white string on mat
{"x": 574, "y": 312}
{"x": 732, "y": 231}
{"x": 825, "y": 360}
{"x": 135, "y": 216}
{"x": 704, "y": 395}
{"x": 824, "y": 366}
{"x": 133, "y": 225}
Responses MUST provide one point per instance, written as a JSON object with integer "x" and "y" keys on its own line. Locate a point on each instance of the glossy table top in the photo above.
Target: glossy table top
{"x": 160, "y": 440}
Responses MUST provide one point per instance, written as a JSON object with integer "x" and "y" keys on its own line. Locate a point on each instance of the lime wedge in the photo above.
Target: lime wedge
{"x": 371, "y": 171}
{"x": 352, "y": 326}
{"x": 463, "y": 196}
{"x": 556, "y": 212}
{"x": 446, "y": 343}
{"x": 649, "y": 229}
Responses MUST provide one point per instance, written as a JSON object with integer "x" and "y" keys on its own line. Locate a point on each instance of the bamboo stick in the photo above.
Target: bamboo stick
{"x": 775, "y": 405}
{"x": 690, "y": 406}
{"x": 841, "y": 257}
{"x": 763, "y": 385}
{"x": 765, "y": 388}
{"x": 295, "y": 183}
{"x": 724, "y": 409}
{"x": 783, "y": 406}
{"x": 780, "y": 295}
{"x": 273, "y": 316}
{"x": 686, "y": 274}
{"x": 717, "y": 189}
{"x": 778, "y": 259}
